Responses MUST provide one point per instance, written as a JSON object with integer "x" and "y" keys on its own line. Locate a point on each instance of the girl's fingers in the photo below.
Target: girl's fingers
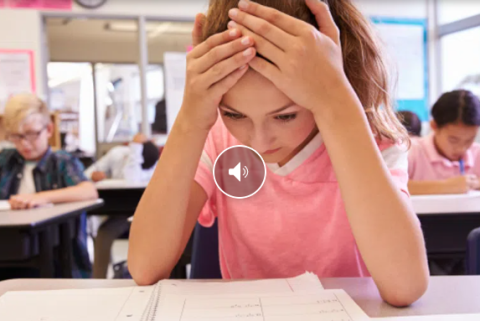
{"x": 214, "y": 41}
{"x": 198, "y": 29}
{"x": 277, "y": 18}
{"x": 266, "y": 69}
{"x": 226, "y": 67}
{"x": 224, "y": 85}
{"x": 267, "y": 30}
{"x": 263, "y": 46}
{"x": 324, "y": 19}
{"x": 221, "y": 53}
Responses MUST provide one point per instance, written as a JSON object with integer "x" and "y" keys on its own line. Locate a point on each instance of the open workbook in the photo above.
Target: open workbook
{"x": 301, "y": 298}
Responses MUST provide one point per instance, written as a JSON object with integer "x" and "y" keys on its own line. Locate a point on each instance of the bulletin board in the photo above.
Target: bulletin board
{"x": 37, "y": 4}
{"x": 406, "y": 42}
{"x": 17, "y": 74}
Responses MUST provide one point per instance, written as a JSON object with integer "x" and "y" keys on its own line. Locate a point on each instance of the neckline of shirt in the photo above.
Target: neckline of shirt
{"x": 298, "y": 159}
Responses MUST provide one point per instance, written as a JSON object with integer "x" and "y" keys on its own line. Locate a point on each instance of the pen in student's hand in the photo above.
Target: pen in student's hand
{"x": 462, "y": 166}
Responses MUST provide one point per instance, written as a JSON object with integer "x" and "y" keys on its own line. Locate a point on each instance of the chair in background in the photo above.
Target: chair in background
{"x": 205, "y": 258}
{"x": 473, "y": 253}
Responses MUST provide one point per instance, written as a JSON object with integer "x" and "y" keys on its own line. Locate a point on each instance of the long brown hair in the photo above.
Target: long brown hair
{"x": 362, "y": 57}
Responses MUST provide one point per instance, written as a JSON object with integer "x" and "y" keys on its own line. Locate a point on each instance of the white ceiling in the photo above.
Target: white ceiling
{"x": 85, "y": 40}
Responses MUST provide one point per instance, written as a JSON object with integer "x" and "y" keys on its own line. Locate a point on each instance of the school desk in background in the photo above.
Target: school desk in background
{"x": 28, "y": 238}
{"x": 447, "y": 221}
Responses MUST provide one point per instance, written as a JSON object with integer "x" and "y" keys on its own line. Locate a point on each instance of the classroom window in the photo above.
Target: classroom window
{"x": 454, "y": 10}
{"x": 461, "y": 60}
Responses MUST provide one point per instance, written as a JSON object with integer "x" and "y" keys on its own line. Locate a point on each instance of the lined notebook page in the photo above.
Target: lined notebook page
{"x": 328, "y": 305}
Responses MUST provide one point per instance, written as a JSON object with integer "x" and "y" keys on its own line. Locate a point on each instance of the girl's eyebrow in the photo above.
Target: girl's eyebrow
{"x": 271, "y": 113}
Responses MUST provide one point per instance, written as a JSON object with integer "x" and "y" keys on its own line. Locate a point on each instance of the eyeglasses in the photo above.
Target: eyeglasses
{"x": 29, "y": 137}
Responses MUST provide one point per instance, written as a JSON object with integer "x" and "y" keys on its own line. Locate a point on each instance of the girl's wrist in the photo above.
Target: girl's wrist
{"x": 188, "y": 126}
{"x": 340, "y": 96}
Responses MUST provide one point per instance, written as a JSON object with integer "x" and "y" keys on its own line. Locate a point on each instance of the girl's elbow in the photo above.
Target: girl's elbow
{"x": 407, "y": 293}
{"x": 144, "y": 276}
{"x": 142, "y": 270}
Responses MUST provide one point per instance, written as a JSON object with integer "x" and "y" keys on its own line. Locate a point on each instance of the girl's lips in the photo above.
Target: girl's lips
{"x": 273, "y": 151}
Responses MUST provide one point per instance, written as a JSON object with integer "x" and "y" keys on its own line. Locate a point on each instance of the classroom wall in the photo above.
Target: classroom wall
{"x": 21, "y": 29}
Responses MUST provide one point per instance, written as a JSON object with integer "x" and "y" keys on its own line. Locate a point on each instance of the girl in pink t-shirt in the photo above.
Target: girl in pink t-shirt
{"x": 304, "y": 85}
{"x": 448, "y": 160}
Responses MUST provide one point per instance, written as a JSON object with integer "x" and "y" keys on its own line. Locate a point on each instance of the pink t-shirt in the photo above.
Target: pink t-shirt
{"x": 425, "y": 163}
{"x": 295, "y": 223}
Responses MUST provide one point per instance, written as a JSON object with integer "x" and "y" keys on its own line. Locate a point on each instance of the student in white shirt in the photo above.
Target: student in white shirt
{"x": 134, "y": 163}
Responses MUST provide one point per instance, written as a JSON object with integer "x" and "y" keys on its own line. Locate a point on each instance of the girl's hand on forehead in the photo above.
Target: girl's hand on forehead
{"x": 303, "y": 62}
{"x": 213, "y": 68}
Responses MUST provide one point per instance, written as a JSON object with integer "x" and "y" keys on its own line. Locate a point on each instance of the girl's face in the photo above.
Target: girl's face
{"x": 453, "y": 140}
{"x": 262, "y": 117}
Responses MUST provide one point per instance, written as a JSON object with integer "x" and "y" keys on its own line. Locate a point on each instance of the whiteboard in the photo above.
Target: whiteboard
{"x": 405, "y": 41}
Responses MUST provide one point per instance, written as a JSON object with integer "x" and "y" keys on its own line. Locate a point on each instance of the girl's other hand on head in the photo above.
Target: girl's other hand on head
{"x": 303, "y": 62}
{"x": 214, "y": 66}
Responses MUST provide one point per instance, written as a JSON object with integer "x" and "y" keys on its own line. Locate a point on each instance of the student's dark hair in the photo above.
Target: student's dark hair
{"x": 363, "y": 62}
{"x": 150, "y": 155}
{"x": 458, "y": 106}
{"x": 411, "y": 122}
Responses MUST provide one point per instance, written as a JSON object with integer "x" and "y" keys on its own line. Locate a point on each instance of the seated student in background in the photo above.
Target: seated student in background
{"x": 33, "y": 175}
{"x": 134, "y": 163}
{"x": 411, "y": 122}
{"x": 448, "y": 160}
{"x": 335, "y": 199}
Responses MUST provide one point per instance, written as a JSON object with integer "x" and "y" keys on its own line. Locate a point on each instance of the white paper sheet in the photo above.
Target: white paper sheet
{"x": 5, "y": 206}
{"x": 119, "y": 304}
{"x": 306, "y": 283}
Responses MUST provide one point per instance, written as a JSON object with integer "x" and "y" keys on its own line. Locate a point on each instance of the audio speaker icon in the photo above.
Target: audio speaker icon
{"x": 236, "y": 172}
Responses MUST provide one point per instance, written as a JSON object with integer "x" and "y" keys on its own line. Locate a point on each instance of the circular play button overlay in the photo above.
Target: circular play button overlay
{"x": 239, "y": 172}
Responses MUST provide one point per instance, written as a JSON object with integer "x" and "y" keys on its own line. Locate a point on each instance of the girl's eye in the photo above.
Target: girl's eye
{"x": 286, "y": 118}
{"x": 233, "y": 116}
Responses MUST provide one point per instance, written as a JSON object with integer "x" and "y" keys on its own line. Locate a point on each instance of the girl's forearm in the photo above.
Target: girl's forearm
{"x": 384, "y": 225}
{"x": 159, "y": 222}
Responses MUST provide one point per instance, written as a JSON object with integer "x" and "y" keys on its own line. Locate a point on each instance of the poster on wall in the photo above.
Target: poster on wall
{"x": 17, "y": 74}
{"x": 39, "y": 4}
{"x": 175, "y": 70}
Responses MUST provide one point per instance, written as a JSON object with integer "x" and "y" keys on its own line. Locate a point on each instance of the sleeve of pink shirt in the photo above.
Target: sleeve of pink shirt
{"x": 396, "y": 159}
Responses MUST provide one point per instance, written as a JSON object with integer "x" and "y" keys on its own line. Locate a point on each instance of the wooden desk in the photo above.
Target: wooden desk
{"x": 28, "y": 238}
{"x": 121, "y": 198}
{"x": 446, "y": 221}
{"x": 446, "y": 295}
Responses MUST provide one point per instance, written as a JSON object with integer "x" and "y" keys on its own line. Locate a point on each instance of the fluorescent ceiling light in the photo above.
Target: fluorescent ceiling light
{"x": 153, "y": 29}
